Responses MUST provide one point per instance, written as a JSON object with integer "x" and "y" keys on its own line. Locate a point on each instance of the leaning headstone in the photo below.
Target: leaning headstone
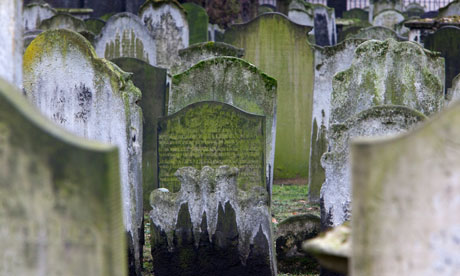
{"x": 167, "y": 21}
{"x": 60, "y": 195}
{"x": 11, "y": 42}
{"x": 233, "y": 81}
{"x": 212, "y": 134}
{"x": 406, "y": 196}
{"x": 35, "y": 13}
{"x": 92, "y": 98}
{"x": 280, "y": 48}
{"x": 211, "y": 227}
{"x": 328, "y": 62}
{"x": 453, "y": 9}
{"x": 63, "y": 21}
{"x": 124, "y": 35}
{"x": 389, "y": 72}
{"x": 152, "y": 83}
{"x": 94, "y": 25}
{"x": 197, "y": 19}
{"x": 376, "y": 121}
{"x": 447, "y": 41}
{"x": 388, "y": 18}
{"x": 356, "y": 13}
{"x": 376, "y": 32}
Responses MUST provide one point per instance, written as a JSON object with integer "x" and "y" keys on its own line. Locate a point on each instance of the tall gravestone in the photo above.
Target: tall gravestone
{"x": 447, "y": 41}
{"x": 325, "y": 27}
{"x": 92, "y": 98}
{"x": 328, "y": 62}
{"x": 376, "y": 121}
{"x": 61, "y": 208}
{"x": 211, "y": 227}
{"x": 453, "y": 9}
{"x": 416, "y": 174}
{"x": 212, "y": 134}
{"x": 279, "y": 48}
{"x": 63, "y": 21}
{"x": 388, "y": 18}
{"x": 167, "y": 21}
{"x": 152, "y": 83}
{"x": 198, "y": 20}
{"x": 233, "y": 81}
{"x": 376, "y": 32}
{"x": 124, "y": 35}
{"x": 11, "y": 43}
{"x": 35, "y": 13}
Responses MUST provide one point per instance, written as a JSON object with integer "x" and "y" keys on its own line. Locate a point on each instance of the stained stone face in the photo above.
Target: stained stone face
{"x": 376, "y": 121}
{"x": 356, "y": 13}
{"x": 210, "y": 227}
{"x": 328, "y": 61}
{"x": 233, "y": 81}
{"x": 91, "y": 98}
{"x": 388, "y": 18}
{"x": 280, "y": 48}
{"x": 152, "y": 83}
{"x": 63, "y": 21}
{"x": 212, "y": 134}
{"x": 452, "y": 9}
{"x": 376, "y": 32}
{"x": 417, "y": 174}
{"x": 61, "y": 209}
{"x": 35, "y": 13}
{"x": 167, "y": 22}
{"x": 197, "y": 19}
{"x": 124, "y": 35}
{"x": 94, "y": 25}
{"x": 381, "y": 5}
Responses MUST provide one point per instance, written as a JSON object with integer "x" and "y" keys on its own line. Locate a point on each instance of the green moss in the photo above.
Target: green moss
{"x": 197, "y": 19}
{"x": 223, "y": 49}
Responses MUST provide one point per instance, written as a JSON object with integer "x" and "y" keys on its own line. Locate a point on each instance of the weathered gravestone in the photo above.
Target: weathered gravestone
{"x": 124, "y": 35}
{"x": 167, "y": 21}
{"x": 11, "y": 41}
{"x": 93, "y": 98}
{"x": 301, "y": 12}
{"x": 201, "y": 51}
{"x": 28, "y": 38}
{"x": 35, "y": 13}
{"x": 376, "y": 121}
{"x": 152, "y": 83}
{"x": 197, "y": 19}
{"x": 356, "y": 13}
{"x": 388, "y": 18}
{"x": 376, "y": 32}
{"x": 453, "y": 9}
{"x": 63, "y": 21}
{"x": 447, "y": 41}
{"x": 233, "y": 81}
{"x": 212, "y": 134}
{"x": 94, "y": 25}
{"x": 328, "y": 61}
{"x": 280, "y": 48}
{"x": 60, "y": 195}
{"x": 406, "y": 195}
{"x": 210, "y": 227}
{"x": 414, "y": 10}
{"x": 377, "y": 6}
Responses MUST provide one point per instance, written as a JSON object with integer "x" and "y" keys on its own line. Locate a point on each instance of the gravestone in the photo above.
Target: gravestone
{"x": 302, "y": 13}
{"x": 61, "y": 208}
{"x": 325, "y": 28}
{"x": 28, "y": 38}
{"x": 63, "y": 21}
{"x": 94, "y": 25}
{"x": 280, "y": 49}
{"x": 414, "y": 10}
{"x": 377, "y": 6}
{"x": 11, "y": 43}
{"x": 356, "y": 13}
{"x": 388, "y": 72}
{"x": 328, "y": 62}
{"x": 152, "y": 83}
{"x": 197, "y": 19}
{"x": 167, "y": 21}
{"x": 35, "y": 13}
{"x": 416, "y": 175}
{"x": 211, "y": 227}
{"x": 376, "y": 32}
{"x": 201, "y": 51}
{"x": 233, "y": 81}
{"x": 447, "y": 41}
{"x": 124, "y": 35}
{"x": 212, "y": 134}
{"x": 92, "y": 98}
{"x": 453, "y": 9}
{"x": 388, "y": 18}
{"x": 376, "y": 121}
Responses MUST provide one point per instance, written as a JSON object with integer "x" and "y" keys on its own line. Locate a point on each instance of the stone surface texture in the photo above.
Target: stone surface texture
{"x": 388, "y": 18}
{"x": 35, "y": 13}
{"x": 376, "y": 32}
{"x": 63, "y": 21}
{"x": 197, "y": 19}
{"x": 210, "y": 227}
{"x": 377, "y": 6}
{"x": 453, "y": 9}
{"x": 91, "y": 98}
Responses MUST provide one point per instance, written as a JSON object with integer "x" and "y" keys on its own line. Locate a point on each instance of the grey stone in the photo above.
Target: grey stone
{"x": 414, "y": 10}
{"x": 94, "y": 25}
{"x": 301, "y": 14}
{"x": 210, "y": 227}
{"x": 356, "y": 13}
{"x": 377, "y": 6}
{"x": 63, "y": 21}
{"x": 453, "y": 9}
{"x": 377, "y": 33}
{"x": 388, "y": 18}
{"x": 35, "y": 13}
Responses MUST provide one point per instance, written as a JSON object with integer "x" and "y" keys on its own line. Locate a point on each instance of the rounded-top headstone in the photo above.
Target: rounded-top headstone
{"x": 388, "y": 18}
{"x": 63, "y": 21}
{"x": 34, "y": 13}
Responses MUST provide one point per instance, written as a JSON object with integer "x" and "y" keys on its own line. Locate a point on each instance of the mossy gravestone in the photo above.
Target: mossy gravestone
{"x": 376, "y": 32}
{"x": 92, "y": 98}
{"x": 406, "y": 196}
{"x": 94, "y": 25}
{"x": 152, "y": 83}
{"x": 167, "y": 21}
{"x": 197, "y": 19}
{"x": 376, "y": 121}
{"x": 280, "y": 48}
{"x": 388, "y": 18}
{"x": 210, "y": 227}
{"x": 328, "y": 61}
{"x": 63, "y": 21}
{"x": 124, "y": 35}
{"x": 447, "y": 41}
{"x": 61, "y": 208}
{"x": 11, "y": 43}
{"x": 233, "y": 81}
{"x": 212, "y": 134}
{"x": 35, "y": 13}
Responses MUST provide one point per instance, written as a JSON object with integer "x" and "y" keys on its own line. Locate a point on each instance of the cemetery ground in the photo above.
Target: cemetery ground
{"x": 287, "y": 200}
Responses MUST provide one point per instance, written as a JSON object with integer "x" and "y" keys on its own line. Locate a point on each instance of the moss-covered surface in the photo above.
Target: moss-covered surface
{"x": 356, "y": 13}
{"x": 376, "y": 32}
{"x": 94, "y": 25}
{"x": 280, "y": 48}
{"x": 197, "y": 22}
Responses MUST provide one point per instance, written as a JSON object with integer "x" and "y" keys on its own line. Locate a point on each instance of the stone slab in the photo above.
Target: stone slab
{"x": 388, "y": 18}
{"x": 198, "y": 20}
{"x": 34, "y": 13}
